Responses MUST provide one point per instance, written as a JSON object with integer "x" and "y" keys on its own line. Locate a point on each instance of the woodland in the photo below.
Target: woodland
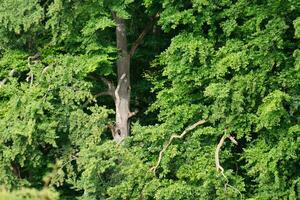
{"x": 149, "y": 99}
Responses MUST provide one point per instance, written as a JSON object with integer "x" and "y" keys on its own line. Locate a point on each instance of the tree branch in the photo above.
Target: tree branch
{"x": 109, "y": 84}
{"x": 218, "y": 148}
{"x": 111, "y": 87}
{"x": 153, "y": 169}
{"x": 11, "y": 73}
{"x": 139, "y": 40}
{"x": 131, "y": 114}
{"x": 118, "y": 87}
{"x": 217, "y": 160}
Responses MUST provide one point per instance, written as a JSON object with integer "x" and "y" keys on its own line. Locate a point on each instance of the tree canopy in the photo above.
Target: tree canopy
{"x": 152, "y": 99}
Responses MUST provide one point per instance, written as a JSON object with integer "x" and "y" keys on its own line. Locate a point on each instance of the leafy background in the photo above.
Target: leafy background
{"x": 234, "y": 63}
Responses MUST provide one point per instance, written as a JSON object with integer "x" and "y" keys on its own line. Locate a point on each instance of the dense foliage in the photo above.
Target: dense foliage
{"x": 233, "y": 63}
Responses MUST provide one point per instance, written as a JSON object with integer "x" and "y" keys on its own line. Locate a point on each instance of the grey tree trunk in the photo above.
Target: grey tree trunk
{"x": 122, "y": 92}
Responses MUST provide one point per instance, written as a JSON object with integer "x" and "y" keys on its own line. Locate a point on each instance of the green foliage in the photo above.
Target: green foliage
{"x": 29, "y": 194}
{"x": 20, "y": 15}
{"x": 235, "y": 64}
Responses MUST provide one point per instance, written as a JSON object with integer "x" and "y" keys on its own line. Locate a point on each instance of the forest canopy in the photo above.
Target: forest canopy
{"x": 151, "y": 99}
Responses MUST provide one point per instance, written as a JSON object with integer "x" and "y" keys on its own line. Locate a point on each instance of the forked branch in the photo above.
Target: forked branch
{"x": 217, "y": 159}
{"x": 175, "y": 136}
{"x": 218, "y": 149}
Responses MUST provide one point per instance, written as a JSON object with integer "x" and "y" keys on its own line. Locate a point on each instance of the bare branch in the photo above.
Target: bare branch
{"x": 46, "y": 69}
{"x": 139, "y": 40}
{"x": 111, "y": 87}
{"x": 109, "y": 84}
{"x": 11, "y": 73}
{"x": 3, "y": 82}
{"x": 153, "y": 169}
{"x": 131, "y": 114}
{"x": 217, "y": 160}
{"x": 218, "y": 148}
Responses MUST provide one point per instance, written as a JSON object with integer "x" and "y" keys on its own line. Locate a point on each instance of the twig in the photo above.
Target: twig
{"x": 153, "y": 169}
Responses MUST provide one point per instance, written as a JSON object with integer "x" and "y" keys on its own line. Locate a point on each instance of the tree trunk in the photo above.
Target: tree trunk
{"x": 122, "y": 92}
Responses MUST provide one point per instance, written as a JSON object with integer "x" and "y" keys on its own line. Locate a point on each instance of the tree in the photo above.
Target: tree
{"x": 216, "y": 83}
{"x": 121, "y": 93}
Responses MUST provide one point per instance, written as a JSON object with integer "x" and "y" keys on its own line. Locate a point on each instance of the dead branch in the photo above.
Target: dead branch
{"x": 139, "y": 40}
{"x": 46, "y": 69}
{"x": 110, "y": 90}
{"x": 3, "y": 82}
{"x": 131, "y": 114}
{"x": 218, "y": 148}
{"x": 153, "y": 169}
{"x": 109, "y": 84}
{"x": 11, "y": 73}
{"x": 217, "y": 159}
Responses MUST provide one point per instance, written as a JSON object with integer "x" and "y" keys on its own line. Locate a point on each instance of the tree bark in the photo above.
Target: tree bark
{"x": 122, "y": 92}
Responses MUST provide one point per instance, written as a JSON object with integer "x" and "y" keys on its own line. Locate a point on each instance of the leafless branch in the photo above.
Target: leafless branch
{"x": 11, "y": 73}
{"x": 111, "y": 87}
{"x": 46, "y": 69}
{"x": 218, "y": 148}
{"x": 109, "y": 84}
{"x": 175, "y": 136}
{"x": 139, "y": 40}
{"x": 217, "y": 159}
{"x": 131, "y": 114}
{"x": 3, "y": 82}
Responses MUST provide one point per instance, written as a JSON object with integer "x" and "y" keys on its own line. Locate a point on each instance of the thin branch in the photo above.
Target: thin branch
{"x": 109, "y": 84}
{"x": 30, "y": 74}
{"x": 217, "y": 159}
{"x": 46, "y": 69}
{"x": 139, "y": 40}
{"x": 131, "y": 114}
{"x": 3, "y": 82}
{"x": 175, "y": 136}
{"x": 111, "y": 87}
{"x": 218, "y": 148}
{"x": 11, "y": 74}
